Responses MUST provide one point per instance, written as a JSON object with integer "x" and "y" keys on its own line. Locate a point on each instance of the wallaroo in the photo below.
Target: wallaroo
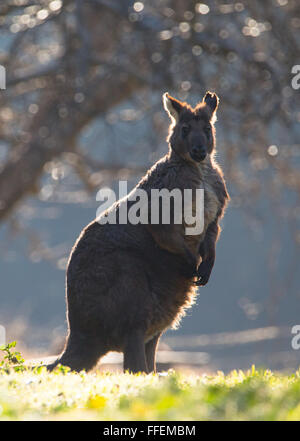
{"x": 127, "y": 283}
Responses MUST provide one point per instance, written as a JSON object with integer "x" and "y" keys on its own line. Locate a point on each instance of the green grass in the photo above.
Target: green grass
{"x": 252, "y": 395}
{"x": 35, "y": 394}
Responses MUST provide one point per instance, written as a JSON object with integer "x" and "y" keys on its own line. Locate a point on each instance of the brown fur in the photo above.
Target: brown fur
{"x": 126, "y": 284}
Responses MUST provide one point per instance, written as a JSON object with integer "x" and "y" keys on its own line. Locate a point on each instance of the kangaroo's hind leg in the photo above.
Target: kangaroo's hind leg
{"x": 134, "y": 353}
{"x": 80, "y": 352}
{"x": 151, "y": 347}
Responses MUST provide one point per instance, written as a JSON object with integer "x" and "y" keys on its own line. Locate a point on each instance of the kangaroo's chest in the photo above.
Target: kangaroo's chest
{"x": 211, "y": 204}
{"x": 204, "y": 207}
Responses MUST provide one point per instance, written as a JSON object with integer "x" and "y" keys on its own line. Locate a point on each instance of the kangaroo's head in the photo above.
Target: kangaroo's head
{"x": 192, "y": 133}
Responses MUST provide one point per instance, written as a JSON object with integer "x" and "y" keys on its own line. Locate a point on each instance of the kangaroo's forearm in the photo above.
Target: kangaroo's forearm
{"x": 207, "y": 251}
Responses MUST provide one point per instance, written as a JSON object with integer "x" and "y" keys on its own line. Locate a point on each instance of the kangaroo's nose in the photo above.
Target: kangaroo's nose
{"x": 198, "y": 152}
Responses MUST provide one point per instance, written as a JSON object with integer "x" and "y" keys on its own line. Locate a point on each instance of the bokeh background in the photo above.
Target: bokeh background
{"x": 82, "y": 109}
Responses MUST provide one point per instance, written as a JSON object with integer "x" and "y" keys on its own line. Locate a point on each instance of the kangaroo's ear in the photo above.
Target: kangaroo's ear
{"x": 172, "y": 106}
{"x": 212, "y": 101}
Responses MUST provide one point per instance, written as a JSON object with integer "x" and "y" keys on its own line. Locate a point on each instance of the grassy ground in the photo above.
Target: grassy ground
{"x": 252, "y": 395}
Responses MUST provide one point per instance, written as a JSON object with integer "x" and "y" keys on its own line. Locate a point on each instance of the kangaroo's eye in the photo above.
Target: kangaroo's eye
{"x": 185, "y": 130}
